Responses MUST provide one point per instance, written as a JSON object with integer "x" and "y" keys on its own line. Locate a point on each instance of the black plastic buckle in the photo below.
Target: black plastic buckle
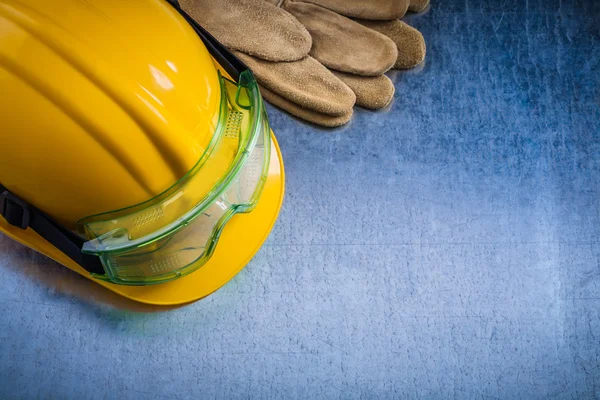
{"x": 14, "y": 210}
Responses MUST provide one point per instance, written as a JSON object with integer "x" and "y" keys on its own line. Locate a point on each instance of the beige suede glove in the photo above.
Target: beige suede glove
{"x": 359, "y": 52}
{"x": 384, "y": 10}
{"x": 274, "y": 43}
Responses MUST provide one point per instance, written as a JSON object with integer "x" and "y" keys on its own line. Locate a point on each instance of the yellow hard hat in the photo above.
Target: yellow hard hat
{"x": 135, "y": 149}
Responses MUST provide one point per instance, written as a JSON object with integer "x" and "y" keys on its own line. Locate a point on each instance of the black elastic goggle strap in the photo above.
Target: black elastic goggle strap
{"x": 230, "y": 63}
{"x": 23, "y": 215}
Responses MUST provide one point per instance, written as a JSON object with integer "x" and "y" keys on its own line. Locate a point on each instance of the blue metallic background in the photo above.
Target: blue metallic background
{"x": 448, "y": 247}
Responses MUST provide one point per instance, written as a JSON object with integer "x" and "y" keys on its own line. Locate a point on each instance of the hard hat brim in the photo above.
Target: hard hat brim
{"x": 240, "y": 241}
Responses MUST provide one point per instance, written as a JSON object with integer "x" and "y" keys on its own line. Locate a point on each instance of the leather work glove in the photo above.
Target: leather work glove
{"x": 275, "y": 45}
{"x": 360, "y": 51}
{"x": 270, "y": 36}
{"x": 371, "y": 10}
{"x": 380, "y": 15}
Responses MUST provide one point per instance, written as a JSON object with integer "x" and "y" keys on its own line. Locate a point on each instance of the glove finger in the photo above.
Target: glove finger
{"x": 385, "y": 10}
{"x": 304, "y": 113}
{"x": 410, "y": 42}
{"x": 306, "y": 83}
{"x": 344, "y": 45}
{"x": 255, "y": 27}
{"x": 373, "y": 93}
{"x": 418, "y": 5}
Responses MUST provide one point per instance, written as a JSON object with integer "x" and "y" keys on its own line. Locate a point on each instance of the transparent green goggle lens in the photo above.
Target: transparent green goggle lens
{"x": 176, "y": 232}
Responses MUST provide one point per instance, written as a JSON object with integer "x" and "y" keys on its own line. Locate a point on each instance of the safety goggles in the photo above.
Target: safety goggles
{"x": 176, "y": 232}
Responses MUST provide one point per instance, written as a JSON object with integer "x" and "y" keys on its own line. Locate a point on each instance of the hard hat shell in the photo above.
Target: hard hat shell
{"x": 114, "y": 98}
{"x": 105, "y": 104}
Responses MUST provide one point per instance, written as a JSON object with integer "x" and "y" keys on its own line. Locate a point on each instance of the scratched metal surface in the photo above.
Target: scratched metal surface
{"x": 445, "y": 248}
